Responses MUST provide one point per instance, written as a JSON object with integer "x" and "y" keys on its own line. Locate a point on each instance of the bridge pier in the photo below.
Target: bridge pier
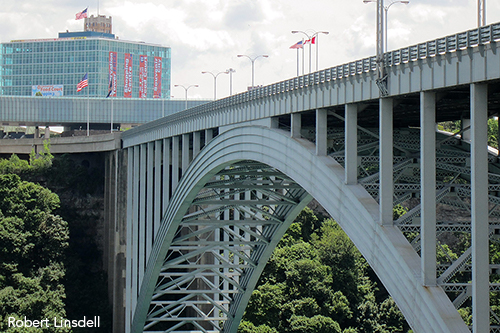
{"x": 115, "y": 242}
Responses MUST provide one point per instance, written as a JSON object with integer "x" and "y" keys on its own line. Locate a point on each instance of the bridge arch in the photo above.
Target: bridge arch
{"x": 427, "y": 309}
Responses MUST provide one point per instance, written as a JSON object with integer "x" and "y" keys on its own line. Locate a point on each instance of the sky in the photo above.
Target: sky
{"x": 207, "y": 35}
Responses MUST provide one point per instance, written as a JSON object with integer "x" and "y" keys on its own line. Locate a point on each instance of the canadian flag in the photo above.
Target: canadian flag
{"x": 312, "y": 40}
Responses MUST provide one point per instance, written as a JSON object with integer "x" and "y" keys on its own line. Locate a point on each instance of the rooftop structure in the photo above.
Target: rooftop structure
{"x": 99, "y": 23}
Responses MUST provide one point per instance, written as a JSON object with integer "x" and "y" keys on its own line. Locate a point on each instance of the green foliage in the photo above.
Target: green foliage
{"x": 38, "y": 163}
{"x": 248, "y": 327}
{"x": 317, "y": 281}
{"x": 316, "y": 324}
{"x": 493, "y": 132}
{"x": 32, "y": 245}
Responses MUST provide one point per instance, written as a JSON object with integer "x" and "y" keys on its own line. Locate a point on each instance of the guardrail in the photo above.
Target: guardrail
{"x": 440, "y": 46}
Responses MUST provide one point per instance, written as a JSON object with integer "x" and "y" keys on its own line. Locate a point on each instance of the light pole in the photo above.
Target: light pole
{"x": 215, "y": 81}
{"x": 311, "y": 39}
{"x": 253, "y": 67}
{"x": 231, "y": 71}
{"x": 481, "y": 13}
{"x": 186, "y": 90}
{"x": 386, "y": 11}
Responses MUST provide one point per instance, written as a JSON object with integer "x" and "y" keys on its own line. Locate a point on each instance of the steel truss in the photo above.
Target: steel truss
{"x": 219, "y": 244}
{"x": 453, "y": 192}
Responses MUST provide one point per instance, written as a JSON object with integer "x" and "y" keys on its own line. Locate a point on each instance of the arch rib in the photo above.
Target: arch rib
{"x": 292, "y": 161}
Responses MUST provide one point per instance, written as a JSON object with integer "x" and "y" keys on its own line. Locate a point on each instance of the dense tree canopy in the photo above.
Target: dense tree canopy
{"x": 32, "y": 244}
{"x": 317, "y": 282}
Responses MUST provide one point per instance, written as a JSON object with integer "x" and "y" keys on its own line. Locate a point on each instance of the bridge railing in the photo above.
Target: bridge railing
{"x": 440, "y": 46}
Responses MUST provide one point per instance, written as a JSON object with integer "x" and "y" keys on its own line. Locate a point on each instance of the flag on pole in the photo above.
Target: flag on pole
{"x": 312, "y": 40}
{"x": 110, "y": 89}
{"x": 82, "y": 14}
{"x": 83, "y": 83}
{"x": 298, "y": 45}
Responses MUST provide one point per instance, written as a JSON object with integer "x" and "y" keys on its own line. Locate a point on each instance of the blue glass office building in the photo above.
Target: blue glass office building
{"x": 64, "y": 61}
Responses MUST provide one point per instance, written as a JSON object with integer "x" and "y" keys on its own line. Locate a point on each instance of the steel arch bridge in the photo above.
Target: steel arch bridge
{"x": 211, "y": 190}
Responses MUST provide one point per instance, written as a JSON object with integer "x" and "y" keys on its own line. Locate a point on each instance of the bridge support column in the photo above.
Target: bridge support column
{"x": 479, "y": 209}
{"x": 209, "y": 135}
{"x": 135, "y": 228}
{"x": 157, "y": 188}
{"x": 185, "y": 152}
{"x": 296, "y": 125}
{"x": 149, "y": 196}
{"x": 175, "y": 162}
{"x": 142, "y": 211}
{"x": 351, "y": 144}
{"x": 128, "y": 273}
{"x": 321, "y": 132}
{"x": 428, "y": 187}
{"x": 166, "y": 175}
{"x": 196, "y": 143}
{"x": 386, "y": 160}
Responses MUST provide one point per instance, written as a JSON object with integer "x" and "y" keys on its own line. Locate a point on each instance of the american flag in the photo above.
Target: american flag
{"x": 83, "y": 83}
{"x": 82, "y": 14}
{"x": 298, "y": 45}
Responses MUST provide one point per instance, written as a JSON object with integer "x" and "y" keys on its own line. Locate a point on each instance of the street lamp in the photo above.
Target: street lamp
{"x": 481, "y": 13}
{"x": 311, "y": 41}
{"x": 186, "y": 90}
{"x": 386, "y": 10}
{"x": 215, "y": 81}
{"x": 253, "y": 61}
{"x": 231, "y": 71}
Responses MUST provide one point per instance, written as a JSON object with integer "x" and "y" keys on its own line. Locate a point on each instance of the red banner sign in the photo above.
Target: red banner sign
{"x": 113, "y": 60}
{"x": 157, "y": 78}
{"x": 127, "y": 86}
{"x": 143, "y": 76}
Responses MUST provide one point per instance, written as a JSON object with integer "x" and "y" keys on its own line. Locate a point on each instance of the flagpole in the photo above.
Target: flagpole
{"x": 111, "y": 114}
{"x": 88, "y": 111}
{"x": 303, "y": 68}
{"x": 88, "y": 103}
{"x": 297, "y": 62}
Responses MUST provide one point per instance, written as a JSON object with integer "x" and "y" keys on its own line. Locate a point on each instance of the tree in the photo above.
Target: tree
{"x": 317, "y": 281}
{"x": 32, "y": 244}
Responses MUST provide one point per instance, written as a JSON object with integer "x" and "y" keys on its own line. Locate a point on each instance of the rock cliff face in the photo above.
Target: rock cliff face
{"x": 78, "y": 179}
